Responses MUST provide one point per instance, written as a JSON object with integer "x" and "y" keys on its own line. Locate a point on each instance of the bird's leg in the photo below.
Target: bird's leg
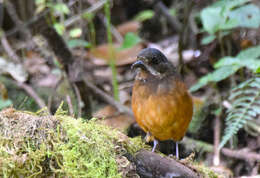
{"x": 177, "y": 150}
{"x": 155, "y": 142}
{"x": 149, "y": 138}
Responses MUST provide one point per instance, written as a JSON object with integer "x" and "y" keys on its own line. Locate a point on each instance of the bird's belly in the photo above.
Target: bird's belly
{"x": 164, "y": 117}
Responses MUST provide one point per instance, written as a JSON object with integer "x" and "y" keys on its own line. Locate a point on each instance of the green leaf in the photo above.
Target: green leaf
{"x": 208, "y": 39}
{"x": 253, "y": 52}
{"x": 37, "y": 2}
{"x": 88, "y": 16}
{"x": 246, "y": 16}
{"x": 252, "y": 64}
{"x": 75, "y": 33}
{"x": 40, "y": 8}
{"x": 226, "y": 61}
{"x": 216, "y": 76}
{"x": 220, "y": 74}
{"x": 61, "y": 8}
{"x": 211, "y": 19}
{"x": 258, "y": 70}
{"x": 60, "y": 28}
{"x": 40, "y": 5}
{"x": 247, "y": 58}
{"x": 229, "y": 5}
{"x": 130, "y": 40}
{"x": 197, "y": 86}
{"x": 224, "y": 15}
{"x": 144, "y": 15}
{"x": 172, "y": 11}
{"x": 78, "y": 43}
{"x": 245, "y": 107}
{"x": 228, "y": 24}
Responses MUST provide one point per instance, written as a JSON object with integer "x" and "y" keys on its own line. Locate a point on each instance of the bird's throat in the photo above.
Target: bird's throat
{"x": 144, "y": 75}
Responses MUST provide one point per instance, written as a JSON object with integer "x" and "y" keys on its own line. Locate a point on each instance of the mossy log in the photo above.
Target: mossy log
{"x": 41, "y": 145}
{"x": 149, "y": 164}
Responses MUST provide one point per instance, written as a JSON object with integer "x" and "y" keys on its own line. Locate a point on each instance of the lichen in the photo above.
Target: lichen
{"x": 40, "y": 145}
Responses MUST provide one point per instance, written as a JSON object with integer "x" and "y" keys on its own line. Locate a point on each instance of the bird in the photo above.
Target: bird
{"x": 161, "y": 103}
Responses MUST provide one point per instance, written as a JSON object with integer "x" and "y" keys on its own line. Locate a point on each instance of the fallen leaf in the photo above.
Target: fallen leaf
{"x": 129, "y": 26}
{"x": 101, "y": 54}
{"x": 110, "y": 117}
{"x": 35, "y": 64}
{"x": 17, "y": 71}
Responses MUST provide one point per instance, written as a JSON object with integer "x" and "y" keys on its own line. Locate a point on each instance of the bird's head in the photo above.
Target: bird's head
{"x": 154, "y": 62}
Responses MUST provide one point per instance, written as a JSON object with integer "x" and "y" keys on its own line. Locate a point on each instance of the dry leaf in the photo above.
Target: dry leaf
{"x": 129, "y": 26}
{"x": 50, "y": 80}
{"x": 109, "y": 116}
{"x": 36, "y": 64}
{"x": 101, "y": 54}
{"x": 17, "y": 71}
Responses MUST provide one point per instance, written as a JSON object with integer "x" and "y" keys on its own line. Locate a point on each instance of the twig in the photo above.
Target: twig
{"x": 32, "y": 21}
{"x": 79, "y": 99}
{"x": 32, "y": 93}
{"x": 71, "y": 111}
{"x": 52, "y": 92}
{"x": 12, "y": 12}
{"x": 61, "y": 50}
{"x": 10, "y": 52}
{"x": 206, "y": 52}
{"x": 183, "y": 33}
{"x": 217, "y": 128}
{"x": 255, "y": 169}
{"x": 253, "y": 127}
{"x": 242, "y": 154}
{"x": 92, "y": 9}
{"x": 107, "y": 98}
{"x": 114, "y": 31}
{"x": 1, "y": 12}
{"x": 173, "y": 21}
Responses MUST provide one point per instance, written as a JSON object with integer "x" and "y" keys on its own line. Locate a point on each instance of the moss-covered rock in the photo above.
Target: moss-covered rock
{"x": 40, "y": 145}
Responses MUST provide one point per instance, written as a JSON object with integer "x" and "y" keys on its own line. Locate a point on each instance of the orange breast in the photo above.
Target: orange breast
{"x": 164, "y": 112}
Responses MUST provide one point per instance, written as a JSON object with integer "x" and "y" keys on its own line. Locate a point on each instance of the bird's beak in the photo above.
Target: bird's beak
{"x": 138, "y": 64}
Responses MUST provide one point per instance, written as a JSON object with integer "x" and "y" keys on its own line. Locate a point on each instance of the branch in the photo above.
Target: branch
{"x": 32, "y": 93}
{"x": 92, "y": 9}
{"x": 1, "y": 13}
{"x": 107, "y": 98}
{"x": 19, "y": 24}
{"x": 149, "y": 164}
{"x": 8, "y": 49}
{"x": 183, "y": 33}
{"x": 217, "y": 128}
{"x": 173, "y": 21}
{"x": 242, "y": 154}
{"x": 79, "y": 99}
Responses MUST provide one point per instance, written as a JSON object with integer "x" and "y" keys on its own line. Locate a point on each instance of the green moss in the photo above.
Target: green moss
{"x": 89, "y": 150}
{"x": 204, "y": 171}
{"x": 135, "y": 144}
{"x": 60, "y": 146}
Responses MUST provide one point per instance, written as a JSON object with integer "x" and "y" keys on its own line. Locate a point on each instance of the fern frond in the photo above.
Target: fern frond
{"x": 245, "y": 99}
